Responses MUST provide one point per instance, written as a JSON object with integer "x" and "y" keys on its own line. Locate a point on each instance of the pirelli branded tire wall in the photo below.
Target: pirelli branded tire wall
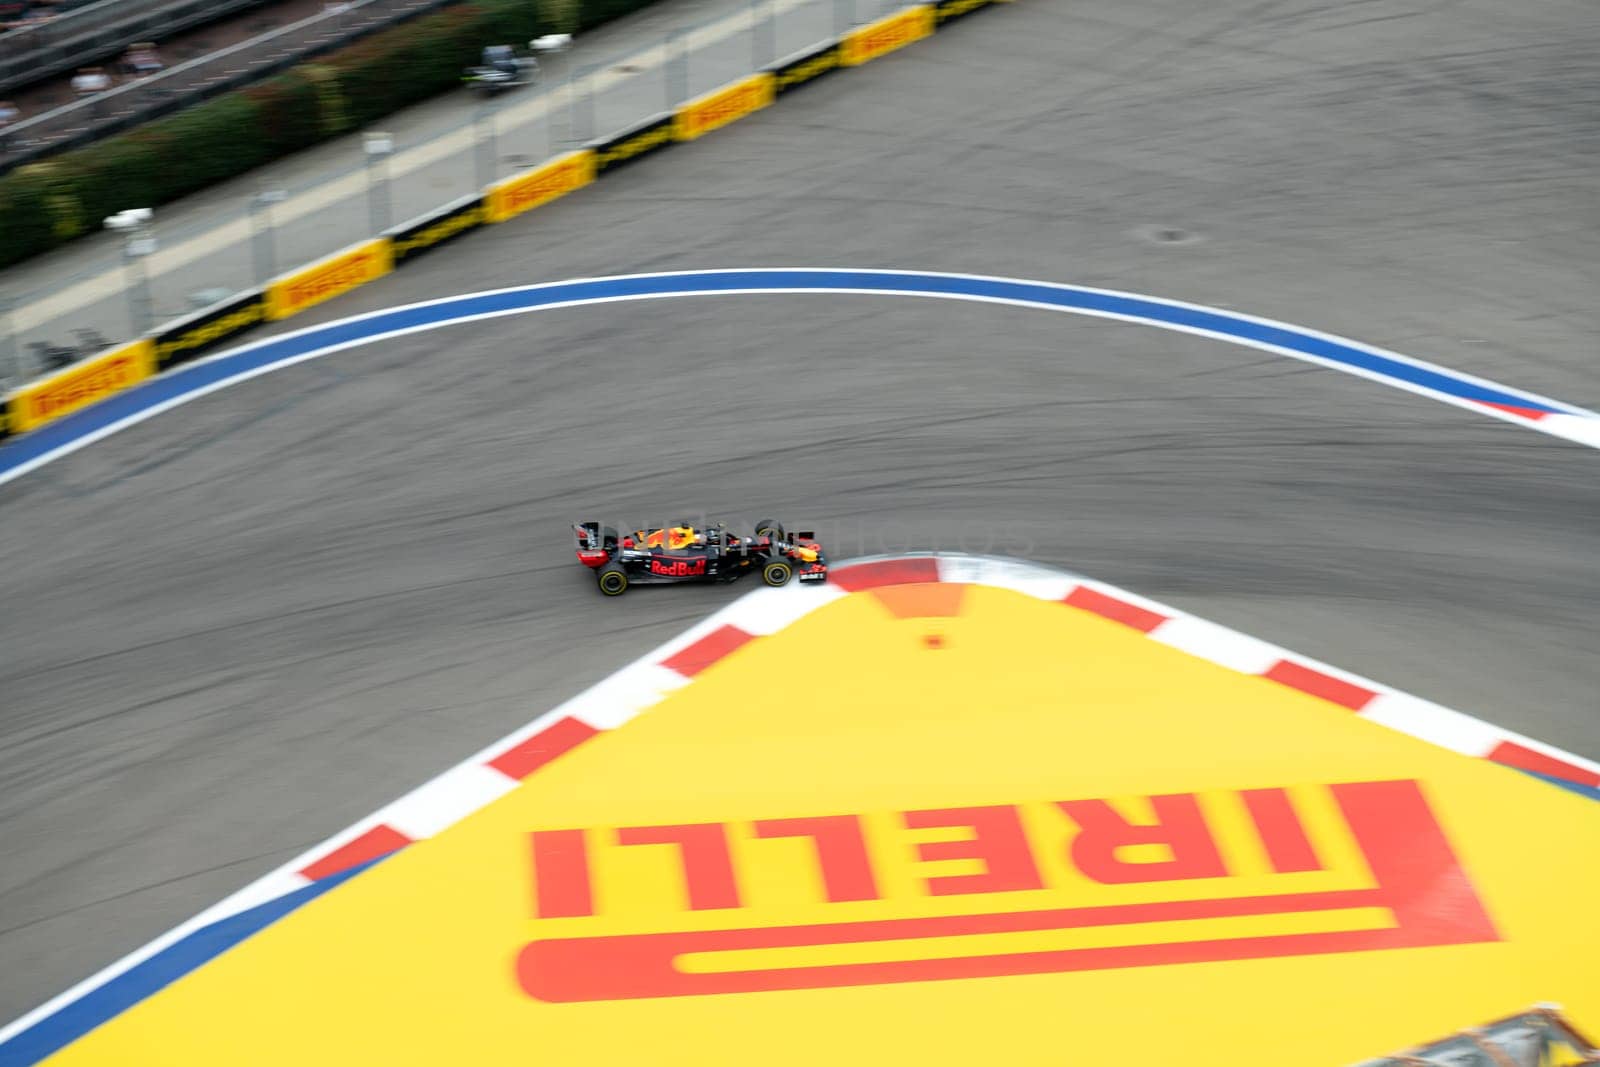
{"x": 125, "y": 366}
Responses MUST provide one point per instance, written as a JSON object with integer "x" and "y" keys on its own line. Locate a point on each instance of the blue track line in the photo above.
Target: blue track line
{"x": 61, "y": 437}
{"x": 103, "y": 1003}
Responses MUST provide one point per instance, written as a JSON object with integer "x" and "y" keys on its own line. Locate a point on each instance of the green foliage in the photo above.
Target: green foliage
{"x": 115, "y": 175}
{"x": 560, "y": 15}
{"x": 47, "y": 204}
{"x": 28, "y": 222}
{"x": 291, "y": 112}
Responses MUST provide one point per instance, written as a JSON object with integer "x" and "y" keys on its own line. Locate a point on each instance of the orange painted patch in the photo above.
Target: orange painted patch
{"x": 857, "y": 576}
{"x": 921, "y": 601}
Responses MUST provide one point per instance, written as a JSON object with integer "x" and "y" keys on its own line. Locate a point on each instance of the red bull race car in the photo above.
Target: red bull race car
{"x": 684, "y": 552}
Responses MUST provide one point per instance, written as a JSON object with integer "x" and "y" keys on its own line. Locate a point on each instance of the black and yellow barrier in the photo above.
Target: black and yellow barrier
{"x": 806, "y": 67}
{"x": 188, "y": 338}
{"x": 949, "y": 10}
{"x": 427, "y": 232}
{"x": 635, "y": 143}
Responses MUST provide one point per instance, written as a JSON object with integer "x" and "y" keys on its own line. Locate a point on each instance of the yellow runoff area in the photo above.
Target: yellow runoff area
{"x": 1020, "y": 833}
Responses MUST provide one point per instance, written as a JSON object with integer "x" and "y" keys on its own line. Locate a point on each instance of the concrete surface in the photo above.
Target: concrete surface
{"x": 238, "y": 627}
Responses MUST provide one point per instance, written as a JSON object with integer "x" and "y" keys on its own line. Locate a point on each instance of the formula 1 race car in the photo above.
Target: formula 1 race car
{"x": 683, "y": 552}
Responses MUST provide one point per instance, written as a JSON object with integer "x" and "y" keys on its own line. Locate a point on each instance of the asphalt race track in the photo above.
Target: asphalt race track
{"x": 236, "y": 628}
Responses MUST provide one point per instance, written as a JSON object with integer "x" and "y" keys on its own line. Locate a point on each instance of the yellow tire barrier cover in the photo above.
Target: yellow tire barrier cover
{"x": 723, "y": 106}
{"x": 327, "y": 278}
{"x": 934, "y": 824}
{"x": 81, "y": 385}
{"x": 887, "y": 34}
{"x": 532, "y": 188}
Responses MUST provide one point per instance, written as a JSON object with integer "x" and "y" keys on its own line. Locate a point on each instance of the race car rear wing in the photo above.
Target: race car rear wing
{"x": 592, "y": 548}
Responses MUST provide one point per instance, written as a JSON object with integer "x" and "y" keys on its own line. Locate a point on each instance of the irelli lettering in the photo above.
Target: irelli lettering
{"x": 1062, "y": 866}
{"x": 81, "y": 387}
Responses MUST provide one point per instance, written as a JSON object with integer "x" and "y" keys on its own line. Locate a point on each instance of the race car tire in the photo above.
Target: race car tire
{"x": 769, "y": 528}
{"x": 612, "y": 579}
{"x": 776, "y": 571}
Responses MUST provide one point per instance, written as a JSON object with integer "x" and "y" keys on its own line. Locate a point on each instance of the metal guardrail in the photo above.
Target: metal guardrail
{"x": 187, "y": 83}
{"x": 99, "y": 31}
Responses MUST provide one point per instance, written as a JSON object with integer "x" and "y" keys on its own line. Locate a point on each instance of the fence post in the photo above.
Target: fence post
{"x": 488, "y": 150}
{"x": 583, "y": 107}
{"x": 263, "y": 238}
{"x": 137, "y": 228}
{"x": 676, "y": 69}
{"x": 138, "y": 287}
{"x": 572, "y": 105}
{"x": 763, "y": 38}
{"x": 378, "y": 146}
{"x": 10, "y": 354}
